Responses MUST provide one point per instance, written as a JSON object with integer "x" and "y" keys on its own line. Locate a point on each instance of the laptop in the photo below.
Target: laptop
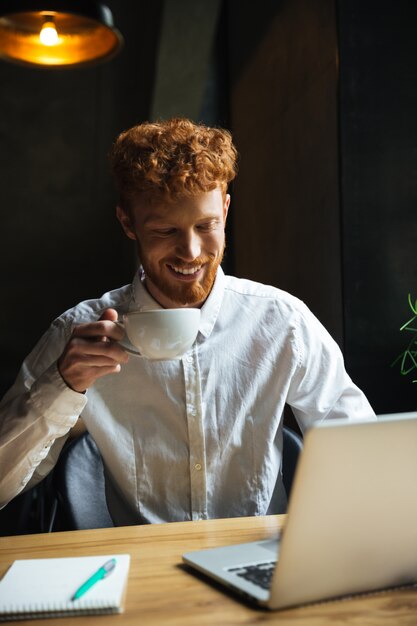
{"x": 351, "y": 525}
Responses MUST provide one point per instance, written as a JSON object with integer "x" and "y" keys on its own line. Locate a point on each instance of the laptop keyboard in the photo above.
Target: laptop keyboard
{"x": 259, "y": 574}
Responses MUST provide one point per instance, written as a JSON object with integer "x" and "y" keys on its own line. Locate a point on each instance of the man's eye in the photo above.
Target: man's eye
{"x": 164, "y": 232}
{"x": 207, "y": 226}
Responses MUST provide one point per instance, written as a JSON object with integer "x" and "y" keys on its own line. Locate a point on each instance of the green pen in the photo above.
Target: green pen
{"x": 101, "y": 573}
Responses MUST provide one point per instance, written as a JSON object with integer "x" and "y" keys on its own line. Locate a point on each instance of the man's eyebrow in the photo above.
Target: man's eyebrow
{"x": 209, "y": 218}
{"x": 164, "y": 219}
{"x": 154, "y": 218}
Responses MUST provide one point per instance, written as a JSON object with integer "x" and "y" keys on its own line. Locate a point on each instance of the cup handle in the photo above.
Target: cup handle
{"x": 124, "y": 346}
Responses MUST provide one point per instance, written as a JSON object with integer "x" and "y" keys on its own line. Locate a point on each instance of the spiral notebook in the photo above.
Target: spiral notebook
{"x": 40, "y": 588}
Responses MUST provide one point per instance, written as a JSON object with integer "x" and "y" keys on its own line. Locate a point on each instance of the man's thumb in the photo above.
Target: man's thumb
{"x": 110, "y": 315}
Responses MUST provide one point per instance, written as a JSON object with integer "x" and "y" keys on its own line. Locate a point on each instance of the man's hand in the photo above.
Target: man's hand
{"x": 92, "y": 352}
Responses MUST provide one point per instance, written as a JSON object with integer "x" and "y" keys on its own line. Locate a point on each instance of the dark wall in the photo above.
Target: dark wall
{"x": 378, "y": 95}
{"x": 59, "y": 240}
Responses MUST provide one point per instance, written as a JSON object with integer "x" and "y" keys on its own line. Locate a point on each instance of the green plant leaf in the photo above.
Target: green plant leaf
{"x": 413, "y": 308}
{"x": 408, "y": 358}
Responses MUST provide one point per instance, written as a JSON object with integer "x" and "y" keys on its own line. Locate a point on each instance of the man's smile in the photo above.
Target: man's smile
{"x": 185, "y": 273}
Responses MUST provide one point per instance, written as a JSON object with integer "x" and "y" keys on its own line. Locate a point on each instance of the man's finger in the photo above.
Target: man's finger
{"x": 110, "y": 315}
{"x": 79, "y": 349}
{"x": 101, "y": 328}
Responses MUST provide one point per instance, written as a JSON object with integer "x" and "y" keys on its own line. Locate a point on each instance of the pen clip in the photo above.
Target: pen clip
{"x": 108, "y": 567}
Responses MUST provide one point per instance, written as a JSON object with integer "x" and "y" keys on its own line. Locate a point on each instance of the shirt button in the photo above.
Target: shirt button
{"x": 197, "y": 466}
{"x": 189, "y": 359}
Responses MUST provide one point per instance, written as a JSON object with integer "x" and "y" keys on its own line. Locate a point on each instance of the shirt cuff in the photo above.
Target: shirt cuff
{"x": 52, "y": 398}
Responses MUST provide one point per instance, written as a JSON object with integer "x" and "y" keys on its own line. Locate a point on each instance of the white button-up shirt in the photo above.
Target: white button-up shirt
{"x": 192, "y": 438}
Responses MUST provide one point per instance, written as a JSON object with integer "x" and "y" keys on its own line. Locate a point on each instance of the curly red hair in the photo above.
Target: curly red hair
{"x": 170, "y": 158}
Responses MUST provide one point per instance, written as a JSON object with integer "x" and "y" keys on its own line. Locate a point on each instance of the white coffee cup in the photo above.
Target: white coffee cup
{"x": 160, "y": 333}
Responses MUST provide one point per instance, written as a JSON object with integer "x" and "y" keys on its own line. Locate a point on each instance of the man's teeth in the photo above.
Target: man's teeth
{"x": 181, "y": 270}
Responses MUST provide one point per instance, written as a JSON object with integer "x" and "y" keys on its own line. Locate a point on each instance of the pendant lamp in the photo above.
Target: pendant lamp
{"x": 57, "y": 33}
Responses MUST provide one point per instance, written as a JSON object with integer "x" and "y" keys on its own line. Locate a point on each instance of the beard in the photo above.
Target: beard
{"x": 186, "y": 294}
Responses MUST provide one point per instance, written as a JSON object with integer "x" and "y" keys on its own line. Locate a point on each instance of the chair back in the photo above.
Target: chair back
{"x": 291, "y": 448}
{"x": 79, "y": 485}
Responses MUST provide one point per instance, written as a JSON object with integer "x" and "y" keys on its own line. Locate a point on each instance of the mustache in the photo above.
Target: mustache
{"x": 190, "y": 266}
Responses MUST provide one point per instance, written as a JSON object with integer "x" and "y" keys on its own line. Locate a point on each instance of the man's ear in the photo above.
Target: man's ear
{"x": 126, "y": 222}
{"x": 226, "y": 206}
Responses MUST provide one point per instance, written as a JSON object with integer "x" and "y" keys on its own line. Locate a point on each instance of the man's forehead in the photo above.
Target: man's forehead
{"x": 160, "y": 209}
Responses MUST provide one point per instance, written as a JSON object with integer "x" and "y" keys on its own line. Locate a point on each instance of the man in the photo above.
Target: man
{"x": 199, "y": 437}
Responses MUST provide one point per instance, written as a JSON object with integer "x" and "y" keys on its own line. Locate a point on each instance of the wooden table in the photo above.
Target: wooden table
{"x": 162, "y": 592}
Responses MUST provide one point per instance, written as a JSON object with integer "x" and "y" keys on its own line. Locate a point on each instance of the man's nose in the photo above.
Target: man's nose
{"x": 188, "y": 246}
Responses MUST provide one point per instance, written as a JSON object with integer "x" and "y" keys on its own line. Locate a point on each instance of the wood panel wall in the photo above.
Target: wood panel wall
{"x": 284, "y": 116}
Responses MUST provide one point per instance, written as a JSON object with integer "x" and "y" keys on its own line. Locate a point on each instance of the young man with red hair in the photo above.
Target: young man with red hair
{"x": 192, "y": 438}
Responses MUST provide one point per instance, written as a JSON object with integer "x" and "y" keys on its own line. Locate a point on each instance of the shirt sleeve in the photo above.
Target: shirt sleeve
{"x": 321, "y": 388}
{"x": 36, "y": 415}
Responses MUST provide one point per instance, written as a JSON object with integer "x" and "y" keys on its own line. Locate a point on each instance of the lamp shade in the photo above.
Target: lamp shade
{"x": 57, "y": 33}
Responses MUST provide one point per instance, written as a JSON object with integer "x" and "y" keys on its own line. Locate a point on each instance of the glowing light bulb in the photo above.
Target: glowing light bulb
{"x": 48, "y": 34}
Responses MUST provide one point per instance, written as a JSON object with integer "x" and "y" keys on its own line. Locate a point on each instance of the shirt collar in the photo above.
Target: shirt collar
{"x": 143, "y": 300}
{"x": 211, "y": 307}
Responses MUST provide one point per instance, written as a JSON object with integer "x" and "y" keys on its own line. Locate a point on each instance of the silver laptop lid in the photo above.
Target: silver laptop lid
{"x": 352, "y": 518}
